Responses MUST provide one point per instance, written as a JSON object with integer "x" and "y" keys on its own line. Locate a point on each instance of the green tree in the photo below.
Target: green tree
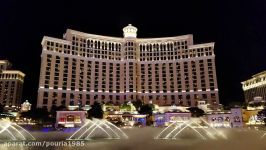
{"x": 95, "y": 111}
{"x": 61, "y": 107}
{"x": 138, "y": 104}
{"x": 110, "y": 103}
{"x": 39, "y": 114}
{"x": 196, "y": 112}
{"x": 1, "y": 108}
{"x": 146, "y": 109}
{"x": 53, "y": 110}
{"x": 125, "y": 107}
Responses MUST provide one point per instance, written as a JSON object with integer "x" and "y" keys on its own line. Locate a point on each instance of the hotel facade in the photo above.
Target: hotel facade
{"x": 255, "y": 87}
{"x": 11, "y": 85}
{"x": 82, "y": 68}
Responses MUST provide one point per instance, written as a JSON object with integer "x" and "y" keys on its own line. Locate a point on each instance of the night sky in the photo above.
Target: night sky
{"x": 237, "y": 27}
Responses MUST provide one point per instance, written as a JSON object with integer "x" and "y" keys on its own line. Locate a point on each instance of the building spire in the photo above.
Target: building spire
{"x": 130, "y": 31}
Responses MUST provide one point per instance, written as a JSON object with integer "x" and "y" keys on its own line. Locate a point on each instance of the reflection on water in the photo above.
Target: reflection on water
{"x": 98, "y": 129}
{"x": 12, "y": 131}
{"x": 142, "y": 139}
{"x": 196, "y": 127}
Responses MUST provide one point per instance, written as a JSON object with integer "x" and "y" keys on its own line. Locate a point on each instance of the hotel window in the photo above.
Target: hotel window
{"x": 45, "y": 101}
{"x": 96, "y": 81}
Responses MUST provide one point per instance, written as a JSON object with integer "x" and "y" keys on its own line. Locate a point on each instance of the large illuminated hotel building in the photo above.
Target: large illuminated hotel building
{"x": 11, "y": 84}
{"x": 83, "y": 68}
{"x": 255, "y": 87}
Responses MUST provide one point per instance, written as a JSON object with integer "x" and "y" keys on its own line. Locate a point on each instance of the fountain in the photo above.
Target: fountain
{"x": 193, "y": 128}
{"x": 12, "y": 131}
{"x": 98, "y": 129}
{"x": 263, "y": 132}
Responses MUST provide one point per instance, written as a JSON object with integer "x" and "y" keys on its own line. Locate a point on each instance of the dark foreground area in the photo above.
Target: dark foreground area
{"x": 143, "y": 139}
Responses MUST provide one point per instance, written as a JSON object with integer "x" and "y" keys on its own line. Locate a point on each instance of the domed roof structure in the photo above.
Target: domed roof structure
{"x": 130, "y": 31}
{"x": 26, "y": 106}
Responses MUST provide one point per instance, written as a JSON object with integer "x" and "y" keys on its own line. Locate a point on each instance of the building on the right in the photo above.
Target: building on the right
{"x": 255, "y": 87}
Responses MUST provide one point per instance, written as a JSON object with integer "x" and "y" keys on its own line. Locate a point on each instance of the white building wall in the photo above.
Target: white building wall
{"x": 165, "y": 70}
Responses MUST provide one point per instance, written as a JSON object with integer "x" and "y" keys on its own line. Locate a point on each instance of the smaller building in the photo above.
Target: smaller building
{"x": 255, "y": 86}
{"x": 257, "y": 104}
{"x": 173, "y": 108}
{"x": 169, "y": 117}
{"x": 5, "y": 65}
{"x": 127, "y": 120}
{"x": 70, "y": 118}
{"x": 236, "y": 117}
{"x": 204, "y": 106}
{"x": 251, "y": 117}
{"x": 11, "y": 85}
{"x": 226, "y": 119}
{"x": 219, "y": 120}
{"x": 26, "y": 106}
